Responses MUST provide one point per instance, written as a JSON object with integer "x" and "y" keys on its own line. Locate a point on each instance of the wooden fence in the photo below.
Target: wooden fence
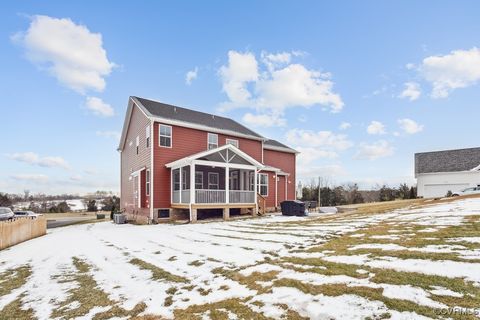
{"x": 21, "y": 229}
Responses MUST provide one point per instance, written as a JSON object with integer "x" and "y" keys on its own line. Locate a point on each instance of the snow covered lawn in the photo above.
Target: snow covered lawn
{"x": 405, "y": 264}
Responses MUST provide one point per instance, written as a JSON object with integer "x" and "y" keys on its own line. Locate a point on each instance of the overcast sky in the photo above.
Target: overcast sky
{"x": 356, "y": 86}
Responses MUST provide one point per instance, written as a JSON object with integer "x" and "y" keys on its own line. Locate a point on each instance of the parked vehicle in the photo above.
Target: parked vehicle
{"x": 464, "y": 192}
{"x": 6, "y": 213}
{"x": 25, "y": 214}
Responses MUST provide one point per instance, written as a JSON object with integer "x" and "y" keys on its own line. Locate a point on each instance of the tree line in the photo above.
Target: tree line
{"x": 51, "y": 204}
{"x": 350, "y": 194}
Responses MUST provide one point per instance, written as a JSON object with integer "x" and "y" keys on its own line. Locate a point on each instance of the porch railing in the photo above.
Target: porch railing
{"x": 241, "y": 196}
{"x": 214, "y": 196}
{"x": 209, "y": 196}
{"x": 185, "y": 196}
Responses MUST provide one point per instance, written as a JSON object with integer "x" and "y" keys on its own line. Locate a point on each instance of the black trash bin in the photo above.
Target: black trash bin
{"x": 293, "y": 208}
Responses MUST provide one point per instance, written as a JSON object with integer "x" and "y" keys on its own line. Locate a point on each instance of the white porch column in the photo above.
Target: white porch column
{"x": 227, "y": 184}
{"x": 255, "y": 189}
{"x": 192, "y": 182}
{"x": 181, "y": 182}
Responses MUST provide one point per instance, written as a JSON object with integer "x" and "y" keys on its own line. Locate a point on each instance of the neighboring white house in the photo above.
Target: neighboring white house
{"x": 438, "y": 172}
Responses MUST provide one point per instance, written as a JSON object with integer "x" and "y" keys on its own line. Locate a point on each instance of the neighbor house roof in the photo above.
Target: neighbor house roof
{"x": 275, "y": 145}
{"x": 171, "y": 112}
{"x": 447, "y": 161}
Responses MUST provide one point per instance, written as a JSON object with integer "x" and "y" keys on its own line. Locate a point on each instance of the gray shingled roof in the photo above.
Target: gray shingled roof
{"x": 447, "y": 161}
{"x": 275, "y": 143}
{"x": 171, "y": 112}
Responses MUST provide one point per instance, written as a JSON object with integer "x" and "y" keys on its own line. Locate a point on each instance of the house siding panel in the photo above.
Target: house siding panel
{"x": 286, "y": 162}
{"x": 131, "y": 162}
{"x": 185, "y": 142}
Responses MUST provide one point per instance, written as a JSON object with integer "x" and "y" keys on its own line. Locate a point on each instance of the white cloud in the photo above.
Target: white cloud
{"x": 409, "y": 126}
{"x": 34, "y": 178}
{"x": 273, "y": 61}
{"x": 375, "y": 150}
{"x": 376, "y": 127}
{"x": 275, "y": 85}
{"x": 241, "y": 68}
{"x": 411, "y": 91}
{"x": 34, "y": 159}
{"x": 68, "y": 51}
{"x": 191, "y": 75}
{"x": 296, "y": 86}
{"x": 306, "y": 173}
{"x": 345, "y": 125}
{"x": 325, "y": 139}
{"x": 76, "y": 178}
{"x": 264, "y": 120}
{"x": 109, "y": 134}
{"x": 99, "y": 107}
{"x": 308, "y": 155}
{"x": 459, "y": 69}
{"x": 410, "y": 66}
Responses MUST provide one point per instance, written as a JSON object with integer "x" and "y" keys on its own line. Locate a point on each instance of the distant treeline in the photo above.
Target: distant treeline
{"x": 57, "y": 203}
{"x": 350, "y": 194}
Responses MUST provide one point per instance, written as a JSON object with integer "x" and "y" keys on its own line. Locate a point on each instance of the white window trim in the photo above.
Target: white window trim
{"x": 147, "y": 182}
{"x": 236, "y": 143}
{"x": 213, "y": 184}
{"x": 160, "y": 135}
{"x": 137, "y": 145}
{"x": 259, "y": 184}
{"x": 208, "y": 140}
{"x": 200, "y": 173}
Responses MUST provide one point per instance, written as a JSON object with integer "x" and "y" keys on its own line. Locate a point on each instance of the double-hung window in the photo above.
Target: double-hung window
{"x": 165, "y": 135}
{"x": 213, "y": 180}
{"x": 212, "y": 141}
{"x": 263, "y": 184}
{"x": 233, "y": 142}
{"x": 147, "y": 136}
{"x": 198, "y": 180}
{"x": 147, "y": 182}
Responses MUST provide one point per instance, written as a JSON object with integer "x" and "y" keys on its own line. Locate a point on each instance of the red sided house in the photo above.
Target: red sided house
{"x": 178, "y": 163}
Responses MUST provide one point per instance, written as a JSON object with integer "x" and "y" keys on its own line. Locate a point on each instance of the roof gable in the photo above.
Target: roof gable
{"x": 227, "y": 153}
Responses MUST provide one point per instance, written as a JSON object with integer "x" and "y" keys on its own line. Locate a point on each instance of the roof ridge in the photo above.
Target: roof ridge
{"x": 202, "y": 113}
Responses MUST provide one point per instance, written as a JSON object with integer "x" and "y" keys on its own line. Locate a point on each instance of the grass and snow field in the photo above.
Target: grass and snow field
{"x": 411, "y": 263}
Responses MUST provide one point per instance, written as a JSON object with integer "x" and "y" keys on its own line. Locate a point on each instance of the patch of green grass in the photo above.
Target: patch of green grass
{"x": 157, "y": 272}
{"x": 204, "y": 292}
{"x": 365, "y": 292}
{"x": 249, "y": 281}
{"x": 196, "y": 263}
{"x": 88, "y": 295}
{"x": 234, "y": 305}
{"x": 12, "y": 279}
{"x": 15, "y": 310}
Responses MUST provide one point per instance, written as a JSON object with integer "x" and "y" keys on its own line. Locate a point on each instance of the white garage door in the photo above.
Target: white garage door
{"x": 440, "y": 190}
